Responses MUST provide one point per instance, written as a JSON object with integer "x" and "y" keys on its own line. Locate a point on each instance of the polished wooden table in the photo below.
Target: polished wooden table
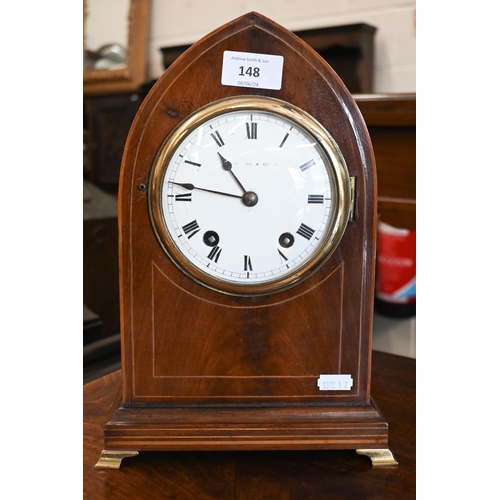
{"x": 276, "y": 475}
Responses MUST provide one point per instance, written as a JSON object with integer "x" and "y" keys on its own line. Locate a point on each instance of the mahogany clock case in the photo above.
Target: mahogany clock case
{"x": 196, "y": 362}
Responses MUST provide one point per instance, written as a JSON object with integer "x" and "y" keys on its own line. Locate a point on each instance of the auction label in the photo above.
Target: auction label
{"x": 335, "y": 382}
{"x": 245, "y": 69}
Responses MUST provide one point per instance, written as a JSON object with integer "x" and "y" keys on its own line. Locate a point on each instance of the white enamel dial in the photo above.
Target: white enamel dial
{"x": 249, "y": 195}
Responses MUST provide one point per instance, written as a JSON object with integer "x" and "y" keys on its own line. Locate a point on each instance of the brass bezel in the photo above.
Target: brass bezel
{"x": 340, "y": 176}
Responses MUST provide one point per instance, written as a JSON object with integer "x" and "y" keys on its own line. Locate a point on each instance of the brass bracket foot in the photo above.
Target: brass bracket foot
{"x": 379, "y": 457}
{"x": 113, "y": 459}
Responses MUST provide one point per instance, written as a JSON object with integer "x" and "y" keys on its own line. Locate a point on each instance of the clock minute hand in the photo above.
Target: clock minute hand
{"x": 190, "y": 187}
{"x": 227, "y": 165}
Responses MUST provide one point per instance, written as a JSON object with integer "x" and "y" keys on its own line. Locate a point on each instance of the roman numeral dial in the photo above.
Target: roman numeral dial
{"x": 217, "y": 138}
{"x": 191, "y": 229}
{"x": 251, "y": 130}
{"x": 184, "y": 197}
{"x": 249, "y": 197}
{"x": 214, "y": 254}
{"x": 305, "y": 231}
{"x": 247, "y": 263}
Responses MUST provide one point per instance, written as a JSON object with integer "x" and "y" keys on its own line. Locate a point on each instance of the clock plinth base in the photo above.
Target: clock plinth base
{"x": 161, "y": 428}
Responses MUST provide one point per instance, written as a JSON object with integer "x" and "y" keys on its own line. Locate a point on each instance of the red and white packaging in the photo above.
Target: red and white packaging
{"x": 396, "y": 265}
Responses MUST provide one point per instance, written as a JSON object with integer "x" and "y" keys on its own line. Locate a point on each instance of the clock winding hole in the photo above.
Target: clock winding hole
{"x": 211, "y": 238}
{"x": 286, "y": 240}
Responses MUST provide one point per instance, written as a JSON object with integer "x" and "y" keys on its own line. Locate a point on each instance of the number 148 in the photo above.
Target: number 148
{"x": 254, "y": 72}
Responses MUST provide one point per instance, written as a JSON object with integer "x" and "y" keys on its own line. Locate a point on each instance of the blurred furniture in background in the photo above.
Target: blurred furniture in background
{"x": 101, "y": 310}
{"x": 105, "y": 24}
{"x": 391, "y": 121}
{"x": 107, "y": 120}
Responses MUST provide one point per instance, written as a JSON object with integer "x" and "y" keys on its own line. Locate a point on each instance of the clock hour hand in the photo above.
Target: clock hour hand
{"x": 250, "y": 199}
{"x": 227, "y": 165}
{"x": 190, "y": 187}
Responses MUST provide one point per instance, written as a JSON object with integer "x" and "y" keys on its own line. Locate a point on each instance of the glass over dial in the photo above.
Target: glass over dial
{"x": 249, "y": 195}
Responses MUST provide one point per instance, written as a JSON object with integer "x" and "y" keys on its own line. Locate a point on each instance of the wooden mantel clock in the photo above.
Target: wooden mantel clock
{"x": 247, "y": 216}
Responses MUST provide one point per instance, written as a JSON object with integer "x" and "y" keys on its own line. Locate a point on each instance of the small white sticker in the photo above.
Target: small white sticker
{"x": 245, "y": 69}
{"x": 335, "y": 382}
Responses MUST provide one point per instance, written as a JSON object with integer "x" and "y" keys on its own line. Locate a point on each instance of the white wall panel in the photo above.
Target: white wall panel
{"x": 183, "y": 22}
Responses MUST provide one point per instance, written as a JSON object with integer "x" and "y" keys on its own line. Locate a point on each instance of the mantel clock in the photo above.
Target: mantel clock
{"x": 247, "y": 218}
